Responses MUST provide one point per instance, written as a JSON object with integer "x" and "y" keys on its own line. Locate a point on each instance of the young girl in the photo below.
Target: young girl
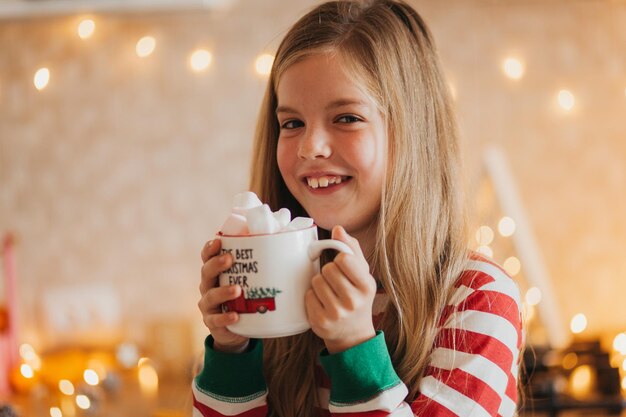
{"x": 357, "y": 131}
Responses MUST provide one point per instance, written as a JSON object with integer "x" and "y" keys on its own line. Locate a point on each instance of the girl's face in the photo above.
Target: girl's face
{"x": 332, "y": 147}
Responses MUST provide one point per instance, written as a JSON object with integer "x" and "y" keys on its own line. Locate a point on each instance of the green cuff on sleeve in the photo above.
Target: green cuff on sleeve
{"x": 361, "y": 372}
{"x": 232, "y": 375}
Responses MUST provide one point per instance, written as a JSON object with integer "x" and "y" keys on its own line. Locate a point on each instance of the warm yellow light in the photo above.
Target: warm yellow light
{"x": 484, "y": 235}
{"x": 200, "y": 60}
{"x": 624, "y": 365}
{"x": 55, "y": 412}
{"x": 506, "y": 226}
{"x": 148, "y": 379}
{"x": 263, "y": 64}
{"x": 513, "y": 68}
{"x": 145, "y": 46}
{"x": 27, "y": 371}
{"x": 512, "y": 266}
{"x": 42, "y": 78}
{"x": 533, "y": 296}
{"x": 66, "y": 387}
{"x": 485, "y": 250}
{"x": 82, "y": 401}
{"x": 578, "y": 323}
{"x": 91, "y": 377}
{"x": 566, "y": 100}
{"x": 624, "y": 383}
{"x": 142, "y": 361}
{"x": 86, "y": 28}
{"x": 570, "y": 361}
{"x": 581, "y": 381}
{"x": 619, "y": 343}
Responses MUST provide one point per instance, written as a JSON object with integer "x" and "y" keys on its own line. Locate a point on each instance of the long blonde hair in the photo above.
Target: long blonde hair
{"x": 421, "y": 245}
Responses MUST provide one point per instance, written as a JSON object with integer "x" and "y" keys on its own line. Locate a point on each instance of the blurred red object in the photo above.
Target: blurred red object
{"x": 4, "y": 319}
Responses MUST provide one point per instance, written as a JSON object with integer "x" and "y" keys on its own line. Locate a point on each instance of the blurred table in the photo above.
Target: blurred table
{"x": 172, "y": 400}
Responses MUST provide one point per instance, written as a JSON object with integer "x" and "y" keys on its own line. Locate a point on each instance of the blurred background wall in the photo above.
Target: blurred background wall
{"x": 114, "y": 175}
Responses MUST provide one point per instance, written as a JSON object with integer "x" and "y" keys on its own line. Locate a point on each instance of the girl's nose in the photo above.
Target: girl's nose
{"x": 314, "y": 144}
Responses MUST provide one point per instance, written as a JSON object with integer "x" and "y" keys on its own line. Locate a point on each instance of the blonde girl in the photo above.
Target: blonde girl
{"x": 357, "y": 131}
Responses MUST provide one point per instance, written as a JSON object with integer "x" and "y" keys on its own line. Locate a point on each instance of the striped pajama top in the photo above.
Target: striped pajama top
{"x": 472, "y": 370}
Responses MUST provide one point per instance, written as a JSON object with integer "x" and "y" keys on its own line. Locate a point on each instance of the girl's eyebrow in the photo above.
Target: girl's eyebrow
{"x": 346, "y": 102}
{"x": 332, "y": 105}
{"x": 285, "y": 109}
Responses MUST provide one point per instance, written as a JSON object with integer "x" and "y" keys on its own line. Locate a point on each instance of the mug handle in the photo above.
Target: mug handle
{"x": 316, "y": 248}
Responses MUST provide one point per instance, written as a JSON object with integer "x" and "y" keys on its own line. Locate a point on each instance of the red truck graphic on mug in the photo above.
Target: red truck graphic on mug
{"x": 253, "y": 300}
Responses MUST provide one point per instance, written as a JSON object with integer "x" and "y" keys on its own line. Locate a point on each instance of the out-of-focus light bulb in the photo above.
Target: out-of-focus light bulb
{"x": 570, "y": 361}
{"x": 506, "y": 226}
{"x": 485, "y": 250}
{"x": 512, "y": 266}
{"x": 27, "y": 371}
{"x": 42, "y": 78}
{"x": 578, "y": 323}
{"x": 200, "y": 60}
{"x": 619, "y": 343}
{"x": 91, "y": 377}
{"x": 55, "y": 412}
{"x": 148, "y": 379}
{"x": 27, "y": 352}
{"x": 581, "y": 380}
{"x": 145, "y": 46}
{"x": 66, "y": 387}
{"x": 566, "y": 100}
{"x": 86, "y": 28}
{"x": 263, "y": 64}
{"x": 82, "y": 401}
{"x": 484, "y": 235}
{"x": 513, "y": 68}
{"x": 533, "y": 296}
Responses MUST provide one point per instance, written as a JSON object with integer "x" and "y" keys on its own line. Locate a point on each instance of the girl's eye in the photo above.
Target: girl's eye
{"x": 348, "y": 119}
{"x": 291, "y": 124}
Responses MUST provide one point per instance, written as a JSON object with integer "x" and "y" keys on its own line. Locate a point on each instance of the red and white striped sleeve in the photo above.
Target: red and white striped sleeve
{"x": 474, "y": 364}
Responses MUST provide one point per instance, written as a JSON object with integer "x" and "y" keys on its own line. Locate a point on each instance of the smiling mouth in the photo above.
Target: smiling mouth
{"x": 325, "y": 181}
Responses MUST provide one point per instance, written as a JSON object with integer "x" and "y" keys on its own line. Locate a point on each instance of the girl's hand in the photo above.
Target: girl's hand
{"x": 339, "y": 303}
{"x": 212, "y": 297}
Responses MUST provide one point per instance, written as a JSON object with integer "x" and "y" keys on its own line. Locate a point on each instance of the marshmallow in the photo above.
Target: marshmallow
{"x": 261, "y": 220}
{"x": 283, "y": 216}
{"x": 245, "y": 201}
{"x": 235, "y": 224}
{"x": 300, "y": 223}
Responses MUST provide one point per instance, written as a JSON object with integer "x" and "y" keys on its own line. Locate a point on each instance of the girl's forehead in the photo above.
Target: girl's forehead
{"x": 327, "y": 72}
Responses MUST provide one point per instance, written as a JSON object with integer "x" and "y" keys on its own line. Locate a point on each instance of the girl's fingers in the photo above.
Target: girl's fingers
{"x": 340, "y": 284}
{"x": 313, "y": 306}
{"x": 215, "y": 321}
{"x": 212, "y": 301}
{"x": 339, "y": 233}
{"x": 210, "y": 249}
{"x": 211, "y": 269}
{"x": 356, "y": 271}
{"x": 324, "y": 292}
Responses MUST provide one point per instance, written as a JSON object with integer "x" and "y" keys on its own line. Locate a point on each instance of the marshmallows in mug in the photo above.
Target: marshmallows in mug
{"x": 251, "y": 217}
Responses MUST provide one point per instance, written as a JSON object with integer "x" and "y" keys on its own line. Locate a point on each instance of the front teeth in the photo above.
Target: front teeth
{"x": 322, "y": 181}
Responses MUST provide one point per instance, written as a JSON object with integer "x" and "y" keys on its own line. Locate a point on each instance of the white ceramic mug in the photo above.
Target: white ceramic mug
{"x": 274, "y": 272}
